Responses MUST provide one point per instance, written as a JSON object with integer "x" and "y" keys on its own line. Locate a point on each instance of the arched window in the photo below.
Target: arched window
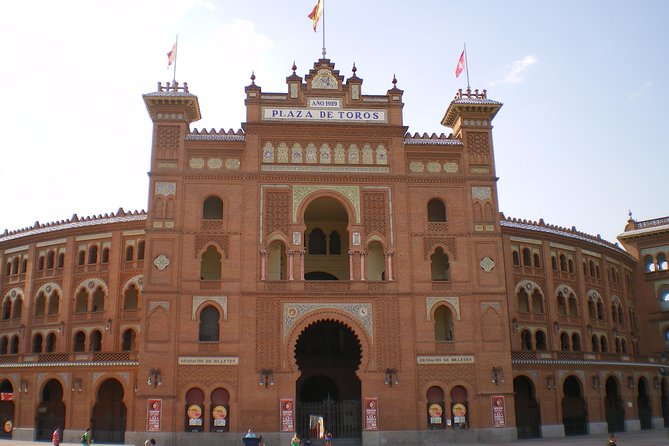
{"x": 516, "y": 258}
{"x": 595, "y": 343}
{"x": 276, "y": 261}
{"x": 527, "y": 257}
{"x": 212, "y": 209}
{"x": 604, "y": 344}
{"x": 526, "y": 340}
{"x": 104, "y": 259}
{"x": 440, "y": 266}
{"x": 128, "y": 341}
{"x": 40, "y": 304}
{"x": 24, "y": 266}
{"x": 585, "y": 268}
{"x": 460, "y": 414}
{"x": 617, "y": 345}
{"x": 14, "y": 345}
{"x": 8, "y": 269}
{"x": 537, "y": 261}
{"x": 540, "y": 340}
{"x": 4, "y": 345}
{"x": 79, "y": 342}
{"x": 130, "y": 297}
{"x": 600, "y": 310}
{"x": 210, "y": 265}
{"x": 6, "y": 308}
{"x": 649, "y": 263}
{"x": 95, "y": 344}
{"x": 571, "y": 266}
{"x": 92, "y": 254}
{"x": 18, "y": 306}
{"x": 61, "y": 260}
{"x": 54, "y": 302}
{"x": 436, "y": 211}
{"x": 98, "y": 300}
{"x": 564, "y": 342}
{"x": 554, "y": 263}
{"x": 317, "y": 242}
{"x": 663, "y": 294}
{"x": 591, "y": 308}
{"x": 624, "y": 346}
{"x": 375, "y": 265}
{"x": 40, "y": 263}
{"x": 614, "y": 312}
{"x": 443, "y": 324}
{"x": 335, "y": 243}
{"x": 592, "y": 268}
{"x": 576, "y": 342}
{"x": 561, "y": 304}
{"x": 15, "y": 265}
{"x": 81, "y": 301}
{"x": 140, "y": 250}
{"x": 129, "y": 253}
{"x": 50, "y": 343}
{"x": 49, "y": 259}
{"x": 573, "y": 306}
{"x": 662, "y": 264}
{"x": 523, "y": 301}
{"x": 209, "y": 324}
{"x": 537, "y": 302}
{"x": 563, "y": 262}
{"x": 37, "y": 343}
{"x": 81, "y": 259}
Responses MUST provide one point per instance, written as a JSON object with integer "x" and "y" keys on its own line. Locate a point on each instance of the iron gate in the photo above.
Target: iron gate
{"x": 343, "y": 419}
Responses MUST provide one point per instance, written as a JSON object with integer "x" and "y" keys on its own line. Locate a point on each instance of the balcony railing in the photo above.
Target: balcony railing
{"x": 68, "y": 357}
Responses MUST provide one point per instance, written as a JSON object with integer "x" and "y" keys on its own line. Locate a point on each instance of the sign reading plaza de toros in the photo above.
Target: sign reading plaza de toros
{"x": 325, "y": 109}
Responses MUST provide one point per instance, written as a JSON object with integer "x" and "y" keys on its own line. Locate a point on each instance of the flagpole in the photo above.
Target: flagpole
{"x": 323, "y": 12}
{"x": 176, "y": 53}
{"x": 467, "y": 66}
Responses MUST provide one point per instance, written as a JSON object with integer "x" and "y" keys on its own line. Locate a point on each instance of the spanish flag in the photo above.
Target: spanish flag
{"x": 461, "y": 64}
{"x": 315, "y": 15}
{"x": 172, "y": 55}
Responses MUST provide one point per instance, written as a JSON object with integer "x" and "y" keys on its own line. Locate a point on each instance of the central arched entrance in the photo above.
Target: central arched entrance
{"x": 109, "y": 413}
{"x": 328, "y": 390}
{"x": 528, "y": 413}
{"x": 50, "y": 411}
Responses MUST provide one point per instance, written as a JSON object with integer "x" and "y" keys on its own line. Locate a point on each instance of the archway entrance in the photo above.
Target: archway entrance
{"x": 613, "y": 407}
{"x": 326, "y": 240}
{"x": 528, "y": 413}
{"x": 643, "y": 403}
{"x": 6, "y": 409}
{"x": 328, "y": 389}
{"x": 50, "y": 411}
{"x": 574, "y": 411}
{"x": 109, "y": 413}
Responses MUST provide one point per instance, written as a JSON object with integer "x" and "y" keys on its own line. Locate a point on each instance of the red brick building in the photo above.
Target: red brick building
{"x": 322, "y": 269}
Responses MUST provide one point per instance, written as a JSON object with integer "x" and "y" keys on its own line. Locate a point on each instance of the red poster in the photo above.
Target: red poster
{"x": 371, "y": 414}
{"x": 287, "y": 416}
{"x": 498, "y": 411}
{"x": 153, "y": 412}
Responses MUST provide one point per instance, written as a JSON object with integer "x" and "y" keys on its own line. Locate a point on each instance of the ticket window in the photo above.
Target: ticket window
{"x": 435, "y": 408}
{"x": 220, "y": 411}
{"x": 459, "y": 408}
{"x": 194, "y": 411}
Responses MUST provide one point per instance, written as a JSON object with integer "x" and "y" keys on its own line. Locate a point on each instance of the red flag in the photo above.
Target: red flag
{"x": 171, "y": 55}
{"x": 315, "y": 14}
{"x": 461, "y": 65}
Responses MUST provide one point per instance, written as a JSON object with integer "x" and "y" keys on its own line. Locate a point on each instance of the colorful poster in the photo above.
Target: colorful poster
{"x": 498, "y": 411}
{"x": 287, "y": 416}
{"x": 220, "y": 416}
{"x": 153, "y": 412}
{"x": 435, "y": 411}
{"x": 371, "y": 414}
{"x": 194, "y": 415}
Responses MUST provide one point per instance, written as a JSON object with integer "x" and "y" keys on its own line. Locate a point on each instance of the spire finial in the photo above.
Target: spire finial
{"x": 629, "y": 212}
{"x": 394, "y": 81}
{"x": 354, "y": 69}
{"x": 294, "y": 67}
{"x": 253, "y": 77}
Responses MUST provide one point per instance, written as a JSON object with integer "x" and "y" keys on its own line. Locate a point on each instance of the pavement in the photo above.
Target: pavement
{"x": 655, "y": 437}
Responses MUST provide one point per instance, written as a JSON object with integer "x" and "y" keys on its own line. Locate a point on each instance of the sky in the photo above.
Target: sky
{"x": 580, "y": 141}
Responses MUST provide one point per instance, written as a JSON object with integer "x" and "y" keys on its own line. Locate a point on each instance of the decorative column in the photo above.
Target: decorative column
{"x": 389, "y": 263}
{"x": 363, "y": 256}
{"x": 302, "y": 253}
{"x": 291, "y": 254}
{"x": 263, "y": 263}
{"x": 350, "y": 264}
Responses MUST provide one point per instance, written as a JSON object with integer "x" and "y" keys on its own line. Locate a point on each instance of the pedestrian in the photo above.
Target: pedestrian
{"x": 328, "y": 439}
{"x": 86, "y": 438}
{"x": 150, "y": 442}
{"x": 295, "y": 441}
{"x": 55, "y": 438}
{"x": 612, "y": 440}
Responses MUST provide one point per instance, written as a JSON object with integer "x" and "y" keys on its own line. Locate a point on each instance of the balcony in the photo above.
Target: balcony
{"x": 68, "y": 357}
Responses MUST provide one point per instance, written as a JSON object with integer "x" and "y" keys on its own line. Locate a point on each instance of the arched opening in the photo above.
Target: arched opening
{"x": 525, "y": 340}
{"x": 328, "y": 355}
{"x": 95, "y": 341}
{"x": 440, "y": 266}
{"x": 459, "y": 408}
{"x": 523, "y": 301}
{"x": 210, "y": 265}
{"x": 375, "y": 262}
{"x": 131, "y": 297}
{"x": 40, "y": 304}
{"x": 212, "y": 209}
{"x": 220, "y": 410}
{"x": 128, "y": 342}
{"x": 194, "y": 410}
{"x": 643, "y": 403}
{"x": 574, "y": 409}
{"x": 81, "y": 301}
{"x": 209, "y": 318}
{"x": 50, "y": 343}
{"x": 38, "y": 340}
{"x": 435, "y": 408}
{"x": 528, "y": 411}
{"x": 540, "y": 340}
{"x": 6, "y": 409}
{"x": 98, "y": 301}
{"x": 443, "y": 324}
{"x": 50, "y": 412}
{"x": 108, "y": 421}
{"x": 277, "y": 261}
{"x": 54, "y": 302}
{"x": 79, "y": 344}
{"x": 326, "y": 216}
{"x": 614, "y": 408}
{"x": 436, "y": 211}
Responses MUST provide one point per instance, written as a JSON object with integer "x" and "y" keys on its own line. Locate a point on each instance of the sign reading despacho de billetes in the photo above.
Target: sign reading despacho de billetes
{"x": 209, "y": 360}
{"x": 453, "y": 359}
{"x": 323, "y": 114}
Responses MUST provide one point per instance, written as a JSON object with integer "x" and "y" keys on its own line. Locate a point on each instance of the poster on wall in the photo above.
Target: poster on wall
{"x": 219, "y": 418}
{"x": 153, "y": 411}
{"x": 498, "y": 411}
{"x": 371, "y": 414}
{"x": 435, "y": 412}
{"x": 287, "y": 416}
{"x": 194, "y": 418}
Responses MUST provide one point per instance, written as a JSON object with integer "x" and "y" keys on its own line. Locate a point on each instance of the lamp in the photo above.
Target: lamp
{"x": 630, "y": 382}
{"x": 23, "y": 386}
{"x": 391, "y": 377}
{"x": 108, "y": 324}
{"x": 595, "y": 382}
{"x": 76, "y": 384}
{"x": 550, "y": 382}
{"x": 266, "y": 378}
{"x": 497, "y": 375}
{"x": 155, "y": 378}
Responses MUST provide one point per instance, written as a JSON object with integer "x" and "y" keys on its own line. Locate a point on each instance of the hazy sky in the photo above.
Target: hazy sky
{"x": 580, "y": 140}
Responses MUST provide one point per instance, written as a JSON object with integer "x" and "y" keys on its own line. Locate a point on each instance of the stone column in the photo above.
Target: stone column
{"x": 363, "y": 256}
{"x": 350, "y": 264}
{"x": 389, "y": 263}
{"x": 291, "y": 254}
{"x": 263, "y": 263}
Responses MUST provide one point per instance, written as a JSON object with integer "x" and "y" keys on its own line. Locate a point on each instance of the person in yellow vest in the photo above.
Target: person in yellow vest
{"x": 86, "y": 438}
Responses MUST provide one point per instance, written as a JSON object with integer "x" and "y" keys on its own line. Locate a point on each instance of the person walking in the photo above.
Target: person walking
{"x": 295, "y": 441}
{"x": 613, "y": 440}
{"x": 55, "y": 438}
{"x": 86, "y": 438}
{"x": 150, "y": 442}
